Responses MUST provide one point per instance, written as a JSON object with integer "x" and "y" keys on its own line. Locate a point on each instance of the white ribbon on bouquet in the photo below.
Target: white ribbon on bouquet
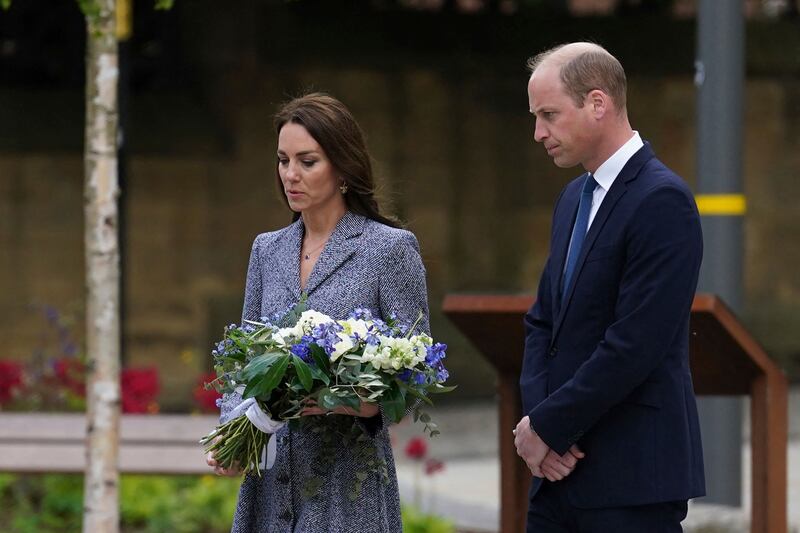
{"x": 264, "y": 423}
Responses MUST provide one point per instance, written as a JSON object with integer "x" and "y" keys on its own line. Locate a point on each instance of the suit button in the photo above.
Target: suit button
{"x": 286, "y": 515}
{"x": 553, "y": 351}
{"x": 283, "y": 478}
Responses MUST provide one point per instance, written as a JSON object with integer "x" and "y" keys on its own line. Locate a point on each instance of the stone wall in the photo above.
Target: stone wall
{"x": 456, "y": 160}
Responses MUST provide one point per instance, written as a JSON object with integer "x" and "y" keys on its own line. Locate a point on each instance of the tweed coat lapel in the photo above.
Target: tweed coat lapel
{"x": 618, "y": 189}
{"x": 285, "y": 258}
{"x": 340, "y": 247}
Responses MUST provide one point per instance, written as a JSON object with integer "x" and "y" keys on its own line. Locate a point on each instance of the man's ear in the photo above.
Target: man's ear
{"x": 599, "y": 103}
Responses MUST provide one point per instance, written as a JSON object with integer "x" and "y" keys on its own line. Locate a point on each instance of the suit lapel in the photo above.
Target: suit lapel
{"x": 285, "y": 259}
{"x": 561, "y": 237}
{"x": 617, "y": 191}
{"x": 340, "y": 247}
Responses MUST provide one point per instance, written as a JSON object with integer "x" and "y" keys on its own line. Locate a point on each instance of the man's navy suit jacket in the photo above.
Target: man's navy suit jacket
{"x": 606, "y": 365}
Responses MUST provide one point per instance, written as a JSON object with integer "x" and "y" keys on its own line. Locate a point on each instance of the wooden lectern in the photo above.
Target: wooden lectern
{"x": 725, "y": 360}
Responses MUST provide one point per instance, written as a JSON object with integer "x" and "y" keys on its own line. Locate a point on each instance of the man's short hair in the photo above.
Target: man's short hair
{"x": 586, "y": 71}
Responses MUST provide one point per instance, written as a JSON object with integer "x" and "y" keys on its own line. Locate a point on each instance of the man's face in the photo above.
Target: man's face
{"x": 565, "y": 129}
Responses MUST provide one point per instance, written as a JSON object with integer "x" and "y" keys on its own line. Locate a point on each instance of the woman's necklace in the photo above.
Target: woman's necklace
{"x": 307, "y": 255}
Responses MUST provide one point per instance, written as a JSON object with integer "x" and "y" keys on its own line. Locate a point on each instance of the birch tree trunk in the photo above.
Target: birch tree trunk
{"x": 101, "y": 499}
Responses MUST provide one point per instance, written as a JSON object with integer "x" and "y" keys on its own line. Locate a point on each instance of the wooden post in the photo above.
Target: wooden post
{"x": 769, "y": 430}
{"x": 515, "y": 478}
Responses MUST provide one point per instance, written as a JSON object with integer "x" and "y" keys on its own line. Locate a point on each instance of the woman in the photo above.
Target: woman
{"x": 343, "y": 254}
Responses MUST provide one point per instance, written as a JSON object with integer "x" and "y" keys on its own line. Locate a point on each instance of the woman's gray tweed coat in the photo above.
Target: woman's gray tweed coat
{"x": 364, "y": 264}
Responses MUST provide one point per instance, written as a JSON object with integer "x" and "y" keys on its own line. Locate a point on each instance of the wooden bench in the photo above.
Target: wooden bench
{"x": 149, "y": 444}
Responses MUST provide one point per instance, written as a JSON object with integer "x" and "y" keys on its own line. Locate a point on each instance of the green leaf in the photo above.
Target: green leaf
{"x": 350, "y": 401}
{"x": 252, "y": 388}
{"x": 320, "y": 357}
{"x": 417, "y": 394}
{"x": 316, "y": 373}
{"x": 275, "y": 374}
{"x": 439, "y": 389}
{"x": 164, "y": 4}
{"x": 260, "y": 364}
{"x": 303, "y": 372}
{"x": 294, "y": 315}
{"x": 394, "y": 403}
{"x": 5, "y": 4}
{"x": 327, "y": 399}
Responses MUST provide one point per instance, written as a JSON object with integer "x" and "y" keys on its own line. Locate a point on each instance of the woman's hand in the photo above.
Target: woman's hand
{"x": 218, "y": 469}
{"x": 365, "y": 410}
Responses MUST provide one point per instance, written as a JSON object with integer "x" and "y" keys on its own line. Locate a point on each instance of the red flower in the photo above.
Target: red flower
{"x": 206, "y": 400}
{"x": 139, "y": 390}
{"x": 432, "y": 466}
{"x": 71, "y": 374}
{"x": 416, "y": 448}
{"x": 10, "y": 379}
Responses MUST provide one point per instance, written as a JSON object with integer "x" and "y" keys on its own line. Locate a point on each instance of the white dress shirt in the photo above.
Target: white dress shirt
{"x": 608, "y": 172}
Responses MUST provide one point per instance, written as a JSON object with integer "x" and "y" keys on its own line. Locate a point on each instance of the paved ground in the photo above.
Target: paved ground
{"x": 467, "y": 491}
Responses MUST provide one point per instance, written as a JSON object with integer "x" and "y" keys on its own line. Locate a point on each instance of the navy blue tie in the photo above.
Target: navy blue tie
{"x": 579, "y": 230}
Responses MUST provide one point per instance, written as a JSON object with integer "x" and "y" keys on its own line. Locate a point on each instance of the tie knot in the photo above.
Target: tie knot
{"x": 589, "y": 185}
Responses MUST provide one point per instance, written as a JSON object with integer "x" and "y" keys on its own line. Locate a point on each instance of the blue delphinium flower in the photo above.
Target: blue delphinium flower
{"x": 419, "y": 378}
{"x": 442, "y": 374}
{"x": 326, "y": 335}
{"x": 435, "y": 353}
{"x": 372, "y": 336}
{"x": 382, "y": 327}
{"x": 222, "y": 348}
{"x": 361, "y": 313}
{"x": 302, "y": 351}
{"x": 405, "y": 375}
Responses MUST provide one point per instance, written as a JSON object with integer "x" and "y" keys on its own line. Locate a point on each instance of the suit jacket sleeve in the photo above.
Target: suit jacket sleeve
{"x": 538, "y": 335}
{"x": 538, "y": 323}
{"x": 663, "y": 250}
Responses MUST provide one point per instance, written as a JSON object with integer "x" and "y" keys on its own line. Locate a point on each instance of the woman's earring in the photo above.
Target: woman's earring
{"x": 343, "y": 188}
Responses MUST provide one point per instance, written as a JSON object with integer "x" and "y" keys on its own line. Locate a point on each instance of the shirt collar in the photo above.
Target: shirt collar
{"x": 608, "y": 171}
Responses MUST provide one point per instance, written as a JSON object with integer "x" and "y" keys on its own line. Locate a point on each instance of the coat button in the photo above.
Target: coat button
{"x": 286, "y": 515}
{"x": 283, "y": 478}
{"x": 553, "y": 351}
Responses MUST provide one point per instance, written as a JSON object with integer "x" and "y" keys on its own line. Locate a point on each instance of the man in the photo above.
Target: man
{"x": 611, "y": 434}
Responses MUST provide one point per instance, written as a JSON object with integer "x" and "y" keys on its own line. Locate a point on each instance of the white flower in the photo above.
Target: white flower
{"x": 311, "y": 319}
{"x": 353, "y": 326}
{"x": 284, "y": 336}
{"x": 394, "y": 354}
{"x": 344, "y": 345}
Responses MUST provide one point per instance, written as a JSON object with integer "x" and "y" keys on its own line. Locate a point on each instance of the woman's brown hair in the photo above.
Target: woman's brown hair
{"x": 332, "y": 125}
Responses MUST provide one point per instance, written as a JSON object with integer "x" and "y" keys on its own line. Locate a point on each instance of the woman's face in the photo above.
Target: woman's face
{"x": 309, "y": 180}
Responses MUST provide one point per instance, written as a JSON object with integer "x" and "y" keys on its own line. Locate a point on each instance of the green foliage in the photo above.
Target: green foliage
{"x": 91, "y": 8}
{"x": 53, "y": 503}
{"x": 148, "y": 504}
{"x": 415, "y": 521}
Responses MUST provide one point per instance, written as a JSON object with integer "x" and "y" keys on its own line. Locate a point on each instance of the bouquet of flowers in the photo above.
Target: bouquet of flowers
{"x": 316, "y": 361}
